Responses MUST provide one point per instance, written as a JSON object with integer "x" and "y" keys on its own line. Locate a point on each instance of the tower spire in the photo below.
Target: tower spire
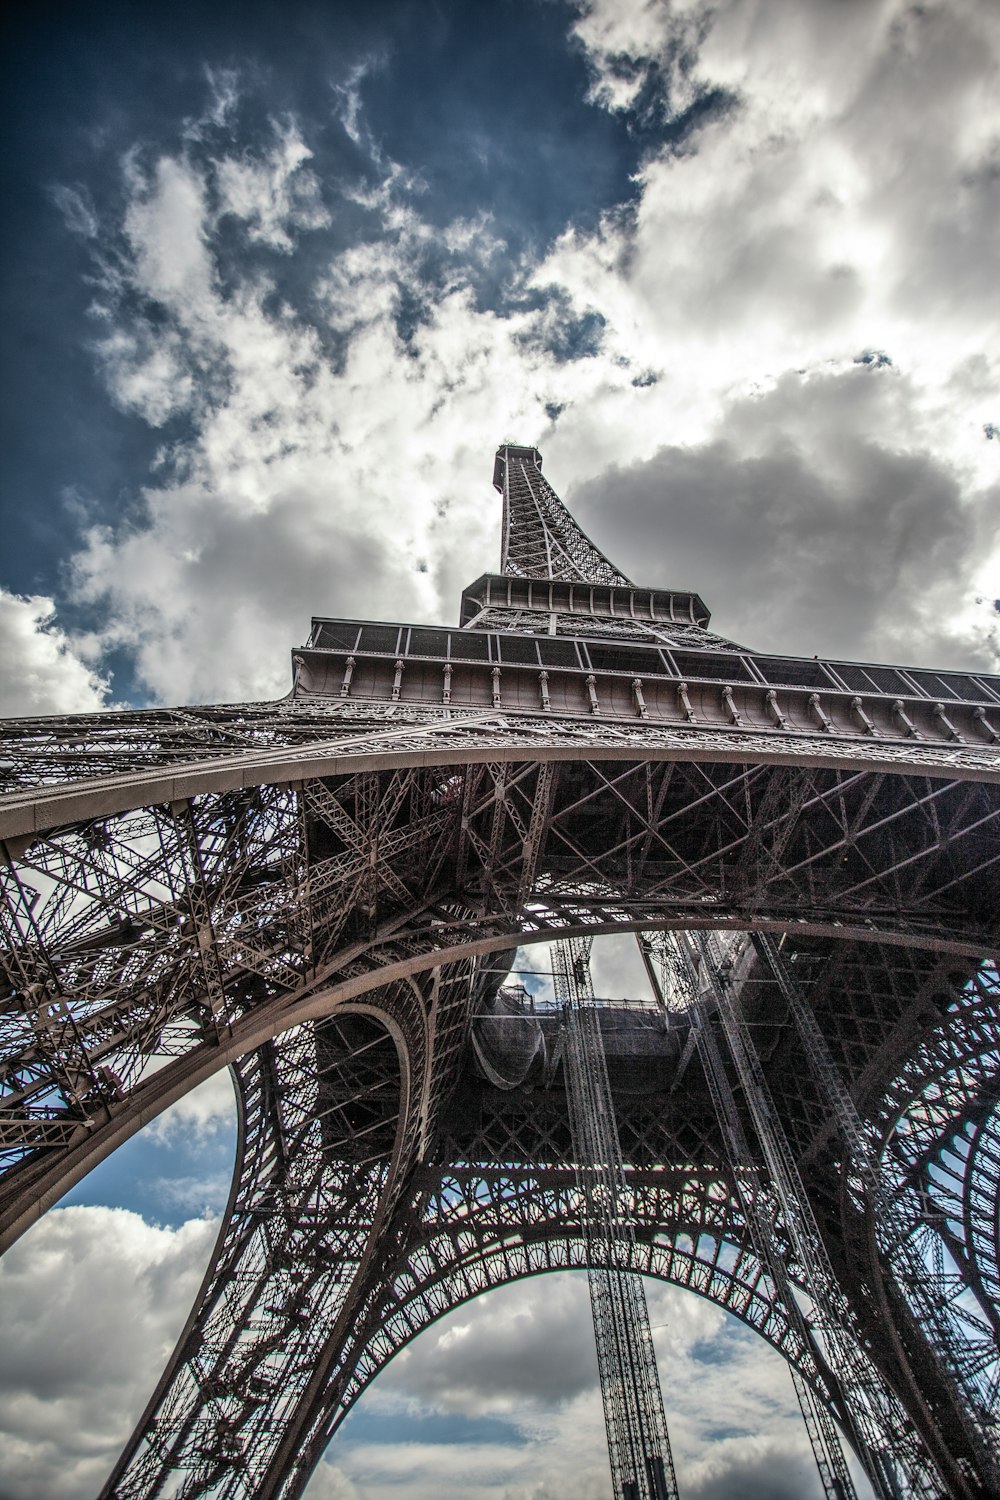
{"x": 540, "y": 537}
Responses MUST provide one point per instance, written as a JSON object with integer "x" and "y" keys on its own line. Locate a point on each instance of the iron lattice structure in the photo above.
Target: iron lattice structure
{"x": 319, "y": 893}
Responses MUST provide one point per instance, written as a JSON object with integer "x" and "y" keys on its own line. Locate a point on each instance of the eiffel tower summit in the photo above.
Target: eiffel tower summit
{"x": 799, "y": 1121}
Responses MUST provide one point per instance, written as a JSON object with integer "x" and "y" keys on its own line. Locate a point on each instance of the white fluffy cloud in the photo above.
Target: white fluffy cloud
{"x": 209, "y": 1108}
{"x": 43, "y": 672}
{"x": 845, "y": 199}
{"x": 841, "y": 207}
{"x": 276, "y": 194}
{"x": 93, "y": 1300}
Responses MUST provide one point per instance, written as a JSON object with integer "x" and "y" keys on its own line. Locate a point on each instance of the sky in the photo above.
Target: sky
{"x": 277, "y": 280}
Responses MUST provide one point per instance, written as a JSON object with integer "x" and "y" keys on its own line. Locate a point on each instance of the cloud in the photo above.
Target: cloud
{"x": 522, "y": 1359}
{"x": 830, "y": 209}
{"x": 44, "y": 673}
{"x": 207, "y": 1110}
{"x": 276, "y": 193}
{"x": 331, "y": 376}
{"x": 817, "y": 524}
{"x": 310, "y": 474}
{"x": 94, "y": 1299}
{"x": 505, "y": 1353}
{"x": 77, "y": 209}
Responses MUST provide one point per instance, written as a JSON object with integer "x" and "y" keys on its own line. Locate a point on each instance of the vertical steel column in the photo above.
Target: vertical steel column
{"x": 642, "y": 1465}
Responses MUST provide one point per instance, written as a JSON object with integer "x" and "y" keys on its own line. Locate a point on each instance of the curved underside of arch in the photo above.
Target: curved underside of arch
{"x": 149, "y": 947}
{"x": 252, "y": 909}
{"x": 236, "y": 1417}
{"x": 439, "y": 1278}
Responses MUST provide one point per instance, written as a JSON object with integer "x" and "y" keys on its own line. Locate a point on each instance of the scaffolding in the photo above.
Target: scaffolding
{"x": 642, "y": 1465}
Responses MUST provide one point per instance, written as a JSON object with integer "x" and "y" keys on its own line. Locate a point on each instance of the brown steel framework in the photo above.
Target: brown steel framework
{"x": 319, "y": 893}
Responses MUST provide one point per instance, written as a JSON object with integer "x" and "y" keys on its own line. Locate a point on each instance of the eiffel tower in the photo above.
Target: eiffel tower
{"x": 325, "y": 894}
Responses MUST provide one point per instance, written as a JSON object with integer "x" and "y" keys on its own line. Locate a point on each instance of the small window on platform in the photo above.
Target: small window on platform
{"x": 872, "y": 679}
{"x": 951, "y": 685}
{"x": 557, "y": 653}
{"x": 428, "y": 642}
{"x": 792, "y": 673}
{"x": 717, "y": 665}
{"x": 623, "y": 658}
{"x": 337, "y": 635}
{"x": 381, "y": 638}
{"x": 520, "y": 649}
{"x": 471, "y": 645}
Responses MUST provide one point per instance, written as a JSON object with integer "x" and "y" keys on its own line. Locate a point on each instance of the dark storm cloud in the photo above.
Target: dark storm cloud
{"x": 803, "y": 531}
{"x": 772, "y": 1476}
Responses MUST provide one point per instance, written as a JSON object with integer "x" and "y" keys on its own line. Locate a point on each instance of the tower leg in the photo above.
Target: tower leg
{"x": 333, "y": 1118}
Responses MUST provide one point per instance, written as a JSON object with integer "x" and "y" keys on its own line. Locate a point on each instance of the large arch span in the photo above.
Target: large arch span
{"x": 352, "y": 1308}
{"x": 168, "y": 922}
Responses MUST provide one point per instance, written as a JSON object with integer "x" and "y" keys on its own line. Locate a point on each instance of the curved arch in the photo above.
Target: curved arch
{"x": 289, "y": 1212}
{"x": 107, "y": 906}
{"x": 46, "y": 1179}
{"x": 27, "y": 814}
{"x": 252, "y": 915}
{"x": 981, "y": 1216}
{"x": 742, "y": 1301}
{"x": 740, "y": 1288}
{"x": 939, "y": 1119}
